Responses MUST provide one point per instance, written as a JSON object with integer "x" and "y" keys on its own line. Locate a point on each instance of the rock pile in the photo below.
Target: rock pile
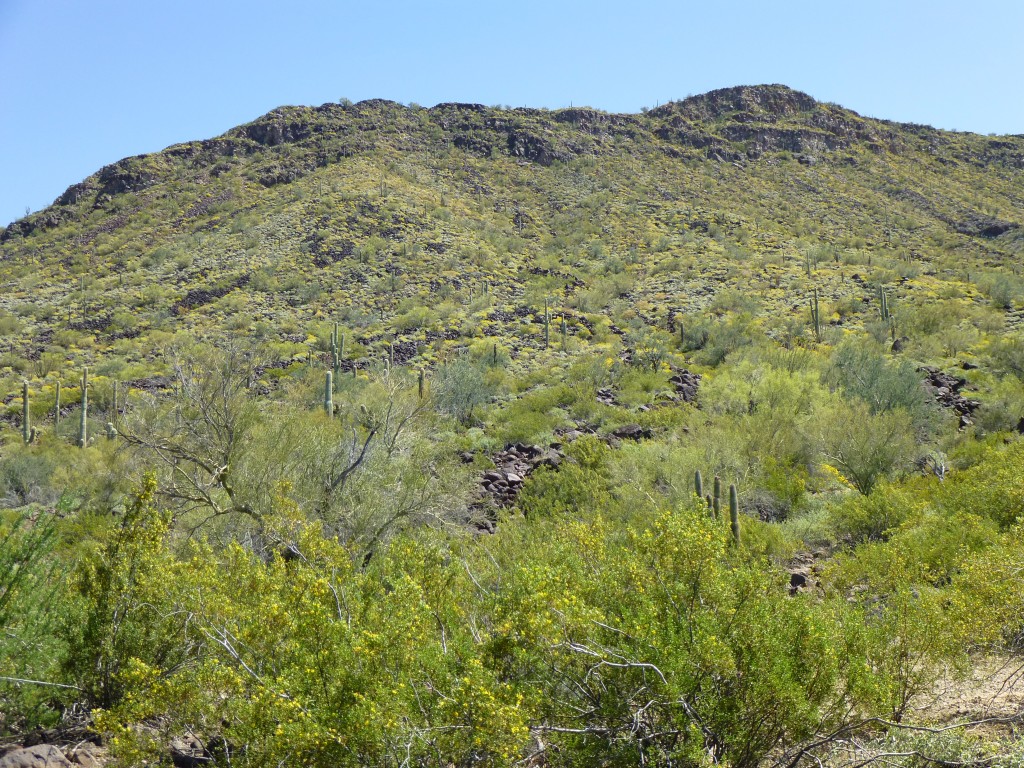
{"x": 946, "y": 391}
{"x": 512, "y": 466}
{"x": 686, "y": 385}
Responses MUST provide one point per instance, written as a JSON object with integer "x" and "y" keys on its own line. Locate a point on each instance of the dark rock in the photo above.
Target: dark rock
{"x": 945, "y": 389}
{"x": 978, "y": 225}
{"x": 550, "y": 458}
{"x": 189, "y": 753}
{"x": 631, "y": 432}
{"x": 686, "y": 385}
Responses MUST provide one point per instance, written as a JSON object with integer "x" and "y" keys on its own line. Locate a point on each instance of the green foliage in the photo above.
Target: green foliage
{"x": 993, "y": 489}
{"x": 579, "y": 486}
{"x": 116, "y": 617}
{"x": 873, "y": 516}
{"x": 861, "y": 371}
{"x": 29, "y": 604}
{"x": 864, "y": 445}
{"x": 459, "y": 387}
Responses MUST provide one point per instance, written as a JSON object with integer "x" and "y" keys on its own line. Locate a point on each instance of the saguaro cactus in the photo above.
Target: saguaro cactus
{"x": 26, "y": 416}
{"x": 698, "y": 484}
{"x": 422, "y": 383}
{"x": 717, "y": 498}
{"x": 734, "y": 514}
{"x": 83, "y": 424}
{"x": 547, "y": 325}
{"x": 816, "y": 316}
{"x": 329, "y": 395}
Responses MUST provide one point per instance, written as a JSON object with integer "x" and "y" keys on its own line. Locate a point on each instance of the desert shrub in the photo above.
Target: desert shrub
{"x": 1003, "y": 290}
{"x": 26, "y": 476}
{"x": 579, "y": 486}
{"x": 115, "y": 620}
{"x": 861, "y": 371}
{"x": 459, "y": 387}
{"x": 993, "y": 488}
{"x": 1007, "y": 353}
{"x": 724, "y": 338}
{"x": 863, "y": 445}
{"x": 30, "y": 601}
{"x": 536, "y": 414}
{"x": 637, "y": 386}
{"x": 873, "y": 516}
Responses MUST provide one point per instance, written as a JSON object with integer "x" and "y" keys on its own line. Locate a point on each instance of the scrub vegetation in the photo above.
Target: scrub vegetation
{"x": 373, "y": 434}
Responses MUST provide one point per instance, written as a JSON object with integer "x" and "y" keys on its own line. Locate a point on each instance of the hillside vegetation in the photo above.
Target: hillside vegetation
{"x": 372, "y": 434}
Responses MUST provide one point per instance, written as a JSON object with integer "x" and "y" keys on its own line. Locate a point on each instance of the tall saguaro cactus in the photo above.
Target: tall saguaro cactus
{"x": 716, "y": 500}
{"x": 547, "y": 325}
{"x": 329, "y": 395}
{"x": 698, "y": 484}
{"x": 26, "y": 415}
{"x": 734, "y": 514}
{"x": 83, "y": 424}
{"x": 56, "y": 406}
{"x": 816, "y": 316}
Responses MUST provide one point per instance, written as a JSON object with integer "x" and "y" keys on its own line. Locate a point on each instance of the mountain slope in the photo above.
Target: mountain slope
{"x": 391, "y": 218}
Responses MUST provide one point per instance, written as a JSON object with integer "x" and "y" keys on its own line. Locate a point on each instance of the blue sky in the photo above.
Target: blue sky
{"x": 83, "y": 84}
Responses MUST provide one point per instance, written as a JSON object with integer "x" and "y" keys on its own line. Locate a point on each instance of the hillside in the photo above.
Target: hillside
{"x": 365, "y": 213}
{"x": 474, "y": 435}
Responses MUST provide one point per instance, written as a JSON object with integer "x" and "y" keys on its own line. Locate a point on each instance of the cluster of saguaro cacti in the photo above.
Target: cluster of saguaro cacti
{"x": 883, "y": 305}
{"x": 714, "y": 502}
{"x": 30, "y": 433}
{"x": 816, "y": 316}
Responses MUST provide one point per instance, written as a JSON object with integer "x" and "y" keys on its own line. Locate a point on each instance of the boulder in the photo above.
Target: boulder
{"x": 39, "y": 756}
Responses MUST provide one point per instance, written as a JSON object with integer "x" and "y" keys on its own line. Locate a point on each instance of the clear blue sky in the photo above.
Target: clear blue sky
{"x": 83, "y": 84}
